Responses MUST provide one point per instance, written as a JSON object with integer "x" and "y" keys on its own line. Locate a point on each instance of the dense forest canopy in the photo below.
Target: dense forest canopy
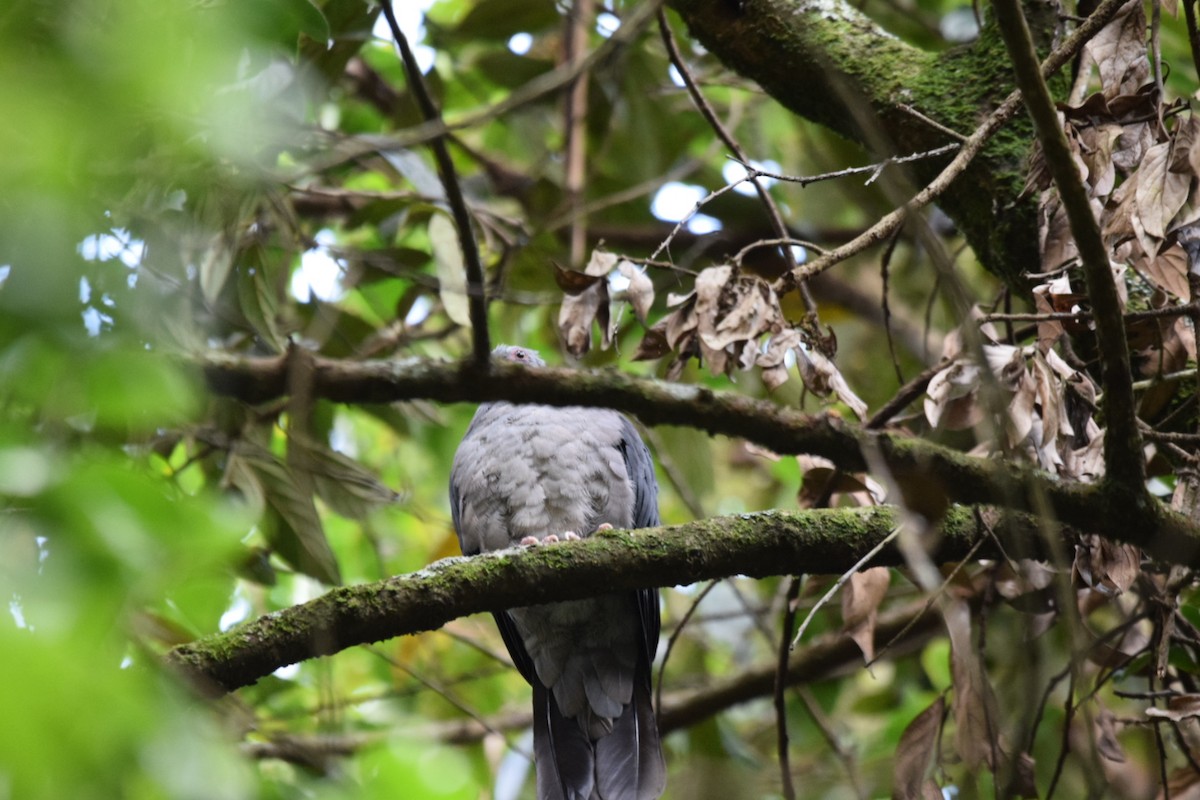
{"x": 901, "y": 294}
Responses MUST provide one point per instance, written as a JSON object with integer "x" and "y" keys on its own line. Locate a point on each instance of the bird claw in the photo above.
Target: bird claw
{"x": 550, "y": 538}
{"x": 604, "y": 526}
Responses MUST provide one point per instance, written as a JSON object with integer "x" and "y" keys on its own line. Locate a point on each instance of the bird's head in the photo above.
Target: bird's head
{"x": 520, "y": 355}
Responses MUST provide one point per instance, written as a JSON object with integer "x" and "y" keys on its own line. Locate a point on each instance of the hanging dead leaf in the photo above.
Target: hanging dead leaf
{"x": 861, "y": 597}
{"x": 950, "y": 400}
{"x": 916, "y": 753}
{"x": 640, "y": 291}
{"x": 1097, "y": 142}
{"x": 1179, "y": 708}
{"x": 1167, "y": 271}
{"x": 975, "y": 710}
{"x": 600, "y": 264}
{"x": 654, "y": 343}
{"x": 572, "y": 282}
{"x": 822, "y": 377}
{"x": 577, "y": 314}
{"x": 1119, "y": 51}
{"x": 1160, "y": 192}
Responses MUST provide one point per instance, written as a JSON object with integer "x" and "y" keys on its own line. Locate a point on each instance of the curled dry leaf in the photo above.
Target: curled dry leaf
{"x": 640, "y": 291}
{"x": 1119, "y": 52}
{"x": 822, "y": 377}
{"x": 951, "y": 399}
{"x": 600, "y": 264}
{"x": 577, "y": 314}
{"x": 861, "y": 597}
{"x": 1106, "y": 566}
{"x": 975, "y": 710}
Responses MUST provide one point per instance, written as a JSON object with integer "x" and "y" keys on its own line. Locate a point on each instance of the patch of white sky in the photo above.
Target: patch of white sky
{"x": 674, "y": 201}
{"x": 118, "y": 244}
{"x": 320, "y": 274}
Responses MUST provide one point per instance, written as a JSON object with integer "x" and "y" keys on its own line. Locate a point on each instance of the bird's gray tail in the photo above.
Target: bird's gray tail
{"x": 626, "y": 764}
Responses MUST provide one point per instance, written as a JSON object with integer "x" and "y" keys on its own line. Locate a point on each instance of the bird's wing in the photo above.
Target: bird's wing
{"x": 640, "y": 468}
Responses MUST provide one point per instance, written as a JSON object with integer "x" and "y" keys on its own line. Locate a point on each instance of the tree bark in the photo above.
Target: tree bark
{"x": 829, "y": 63}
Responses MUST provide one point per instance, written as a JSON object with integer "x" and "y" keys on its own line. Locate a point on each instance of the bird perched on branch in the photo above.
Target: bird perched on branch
{"x": 531, "y": 474}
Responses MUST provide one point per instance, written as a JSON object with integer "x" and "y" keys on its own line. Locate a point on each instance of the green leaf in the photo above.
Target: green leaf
{"x": 500, "y": 19}
{"x": 343, "y": 483}
{"x": 290, "y": 521}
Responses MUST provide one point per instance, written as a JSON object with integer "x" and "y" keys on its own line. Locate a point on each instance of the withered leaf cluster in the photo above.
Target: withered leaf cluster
{"x": 731, "y": 321}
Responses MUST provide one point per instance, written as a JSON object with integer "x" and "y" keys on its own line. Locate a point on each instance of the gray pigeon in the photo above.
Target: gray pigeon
{"x": 529, "y": 474}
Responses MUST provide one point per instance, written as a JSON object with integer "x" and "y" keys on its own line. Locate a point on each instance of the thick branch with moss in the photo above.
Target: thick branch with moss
{"x": 938, "y": 470}
{"x": 828, "y": 62}
{"x": 756, "y": 545}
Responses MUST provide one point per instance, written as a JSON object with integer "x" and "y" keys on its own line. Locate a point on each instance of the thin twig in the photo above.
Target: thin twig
{"x": 1189, "y": 15}
{"x": 675, "y": 636}
{"x": 710, "y": 115}
{"x": 825, "y": 598}
{"x": 905, "y": 395}
{"x": 476, "y": 302}
{"x": 789, "y": 619}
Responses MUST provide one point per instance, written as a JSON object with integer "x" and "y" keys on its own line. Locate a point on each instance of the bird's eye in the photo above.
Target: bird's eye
{"x": 520, "y": 355}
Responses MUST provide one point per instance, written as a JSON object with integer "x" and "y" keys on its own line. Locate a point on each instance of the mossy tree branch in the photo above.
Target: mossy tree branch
{"x": 959, "y": 478}
{"x": 756, "y": 545}
{"x": 827, "y": 62}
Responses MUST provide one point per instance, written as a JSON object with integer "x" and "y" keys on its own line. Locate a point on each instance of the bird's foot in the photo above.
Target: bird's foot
{"x": 604, "y": 526}
{"x": 550, "y": 538}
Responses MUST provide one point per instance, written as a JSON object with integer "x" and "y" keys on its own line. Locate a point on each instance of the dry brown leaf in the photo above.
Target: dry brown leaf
{"x": 1057, "y": 245}
{"x": 1179, "y": 708}
{"x": 1105, "y": 731}
{"x": 1106, "y": 566}
{"x": 951, "y": 397}
{"x": 915, "y": 754}
{"x": 1097, "y": 143}
{"x": 1131, "y": 147}
{"x": 681, "y": 324}
{"x": 1021, "y": 410}
{"x": 822, "y": 377}
{"x": 654, "y": 343}
{"x": 1182, "y": 784}
{"x": 640, "y": 291}
{"x": 1119, "y": 51}
{"x": 975, "y": 710}
{"x": 577, "y": 314}
{"x": 572, "y": 282}
{"x": 861, "y": 597}
{"x": 600, "y": 264}
{"x": 1167, "y": 271}
{"x": 1161, "y": 193}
